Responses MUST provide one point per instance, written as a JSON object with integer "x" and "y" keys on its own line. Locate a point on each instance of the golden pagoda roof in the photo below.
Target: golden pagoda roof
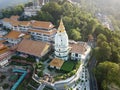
{"x": 61, "y": 27}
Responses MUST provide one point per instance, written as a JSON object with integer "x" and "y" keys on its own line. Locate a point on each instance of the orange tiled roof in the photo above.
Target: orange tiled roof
{"x": 51, "y": 32}
{"x": 5, "y": 54}
{"x": 78, "y": 48}
{"x": 16, "y": 17}
{"x": 17, "y": 23}
{"x": 1, "y": 41}
{"x": 27, "y": 36}
{"x": 56, "y": 62}
{"x": 14, "y": 23}
{"x": 6, "y": 20}
{"x": 13, "y": 20}
{"x": 3, "y": 48}
{"x": 24, "y": 23}
{"x": 14, "y": 35}
{"x": 42, "y": 24}
{"x": 35, "y": 48}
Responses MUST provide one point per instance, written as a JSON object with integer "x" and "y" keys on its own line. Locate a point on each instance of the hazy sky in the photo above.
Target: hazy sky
{"x": 5, "y": 3}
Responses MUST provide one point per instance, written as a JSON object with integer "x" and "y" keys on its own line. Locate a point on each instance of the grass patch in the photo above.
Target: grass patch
{"x": 68, "y": 66}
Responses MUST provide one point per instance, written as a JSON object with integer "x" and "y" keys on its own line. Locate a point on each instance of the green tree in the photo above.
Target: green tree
{"x": 44, "y": 16}
{"x": 100, "y": 39}
{"x": 54, "y": 9}
{"x": 75, "y": 34}
{"x": 107, "y": 73}
{"x": 104, "y": 52}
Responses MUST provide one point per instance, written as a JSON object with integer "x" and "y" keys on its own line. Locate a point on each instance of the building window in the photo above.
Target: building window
{"x": 76, "y": 55}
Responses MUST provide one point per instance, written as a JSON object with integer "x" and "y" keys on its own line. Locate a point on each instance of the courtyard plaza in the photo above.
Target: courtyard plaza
{"x": 9, "y": 77}
{"x": 49, "y": 73}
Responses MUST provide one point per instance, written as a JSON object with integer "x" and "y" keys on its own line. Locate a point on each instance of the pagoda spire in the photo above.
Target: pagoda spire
{"x": 61, "y": 27}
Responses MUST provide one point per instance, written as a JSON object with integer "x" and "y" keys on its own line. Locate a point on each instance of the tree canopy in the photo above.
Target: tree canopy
{"x": 107, "y": 73}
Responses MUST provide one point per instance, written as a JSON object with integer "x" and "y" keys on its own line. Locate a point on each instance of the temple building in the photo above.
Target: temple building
{"x": 61, "y": 43}
{"x": 38, "y": 49}
{"x": 42, "y": 31}
{"x": 5, "y": 55}
{"x": 14, "y": 37}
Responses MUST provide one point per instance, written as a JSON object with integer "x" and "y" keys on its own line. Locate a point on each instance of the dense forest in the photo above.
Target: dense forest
{"x": 107, "y": 7}
{"x": 79, "y": 25}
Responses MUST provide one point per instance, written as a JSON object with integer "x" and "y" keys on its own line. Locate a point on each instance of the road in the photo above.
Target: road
{"x": 93, "y": 82}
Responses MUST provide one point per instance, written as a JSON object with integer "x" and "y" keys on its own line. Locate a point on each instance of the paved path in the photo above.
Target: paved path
{"x": 41, "y": 87}
{"x": 83, "y": 82}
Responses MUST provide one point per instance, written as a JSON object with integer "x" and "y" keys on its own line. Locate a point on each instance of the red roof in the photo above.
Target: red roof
{"x": 35, "y": 48}
{"x": 78, "y": 48}
{"x": 6, "y": 54}
{"x": 42, "y": 24}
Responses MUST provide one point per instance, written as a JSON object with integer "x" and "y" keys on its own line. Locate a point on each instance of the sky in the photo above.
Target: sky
{"x": 6, "y": 3}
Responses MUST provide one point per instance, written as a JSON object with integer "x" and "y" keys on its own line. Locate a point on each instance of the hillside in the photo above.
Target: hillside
{"x": 79, "y": 25}
{"x": 107, "y": 7}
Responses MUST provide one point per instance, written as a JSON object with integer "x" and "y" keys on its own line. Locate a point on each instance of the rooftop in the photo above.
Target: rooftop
{"x": 35, "y": 48}
{"x": 4, "y": 51}
{"x": 15, "y": 22}
{"x": 56, "y": 62}
{"x": 42, "y": 24}
{"x": 3, "y": 48}
{"x": 5, "y": 54}
{"x": 16, "y": 17}
{"x": 14, "y": 35}
{"x": 51, "y": 32}
{"x": 78, "y": 47}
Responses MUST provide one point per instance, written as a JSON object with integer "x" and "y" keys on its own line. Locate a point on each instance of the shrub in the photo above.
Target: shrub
{"x": 3, "y": 77}
{"x": 5, "y": 86}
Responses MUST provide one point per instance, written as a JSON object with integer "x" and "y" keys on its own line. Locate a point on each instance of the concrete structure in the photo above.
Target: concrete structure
{"x": 41, "y": 30}
{"x": 14, "y": 24}
{"x": 61, "y": 43}
{"x": 79, "y": 50}
{"x": 22, "y": 26}
{"x": 32, "y": 10}
{"x": 8, "y": 22}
